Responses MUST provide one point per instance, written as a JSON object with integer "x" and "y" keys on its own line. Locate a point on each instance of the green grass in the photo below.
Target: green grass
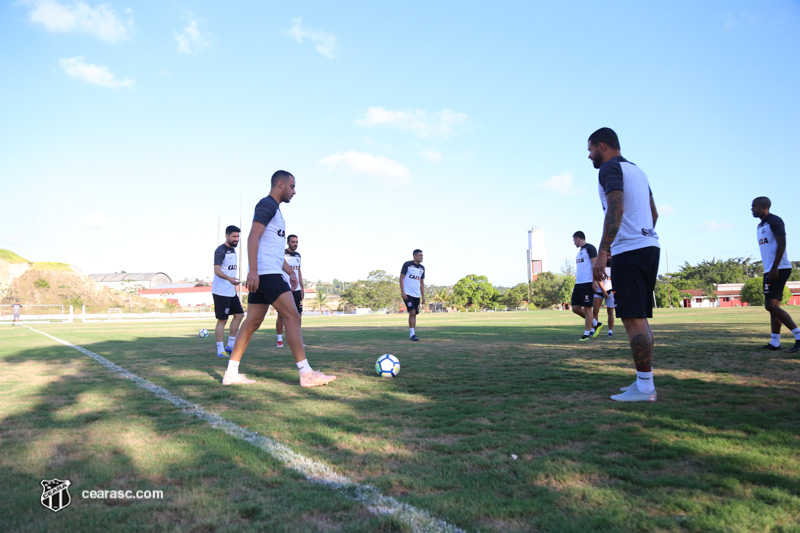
{"x": 51, "y": 266}
{"x": 719, "y": 451}
{"x": 11, "y": 257}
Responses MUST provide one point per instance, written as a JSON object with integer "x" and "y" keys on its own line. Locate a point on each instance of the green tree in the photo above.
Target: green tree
{"x": 319, "y": 300}
{"x": 514, "y": 296}
{"x": 753, "y": 291}
{"x": 667, "y": 296}
{"x": 379, "y": 291}
{"x": 474, "y": 290}
{"x": 551, "y": 290}
{"x": 439, "y": 297}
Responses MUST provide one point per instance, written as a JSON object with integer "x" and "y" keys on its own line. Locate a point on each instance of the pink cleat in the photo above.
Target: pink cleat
{"x": 236, "y": 379}
{"x": 280, "y": 344}
{"x": 314, "y": 379}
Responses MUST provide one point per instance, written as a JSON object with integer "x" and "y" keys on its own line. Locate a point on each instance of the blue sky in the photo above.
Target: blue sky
{"x": 129, "y": 129}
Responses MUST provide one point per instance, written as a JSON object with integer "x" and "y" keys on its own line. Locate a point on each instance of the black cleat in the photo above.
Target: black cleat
{"x": 771, "y": 347}
{"x": 795, "y": 348}
{"x": 413, "y": 338}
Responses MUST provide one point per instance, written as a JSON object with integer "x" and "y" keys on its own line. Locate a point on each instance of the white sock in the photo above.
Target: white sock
{"x": 231, "y": 341}
{"x": 412, "y": 332}
{"x": 644, "y": 382}
{"x": 220, "y": 348}
{"x": 586, "y": 332}
{"x": 796, "y": 333}
{"x": 594, "y": 323}
{"x": 303, "y": 366}
{"x": 611, "y": 331}
{"x": 280, "y": 337}
{"x": 233, "y": 367}
{"x": 776, "y": 339}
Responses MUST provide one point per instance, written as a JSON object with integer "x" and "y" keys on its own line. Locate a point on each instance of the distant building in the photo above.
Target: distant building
{"x": 121, "y": 282}
{"x": 730, "y": 295}
{"x": 180, "y": 296}
{"x": 537, "y": 253}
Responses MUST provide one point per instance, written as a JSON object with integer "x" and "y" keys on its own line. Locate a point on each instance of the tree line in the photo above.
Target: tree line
{"x": 381, "y": 290}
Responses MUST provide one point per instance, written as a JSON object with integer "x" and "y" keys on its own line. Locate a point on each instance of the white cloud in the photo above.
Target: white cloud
{"x": 432, "y": 155}
{"x": 443, "y": 124}
{"x": 665, "y": 209}
{"x": 96, "y": 220}
{"x": 325, "y": 43}
{"x": 95, "y": 74}
{"x": 191, "y": 40}
{"x": 385, "y": 170}
{"x": 561, "y": 183}
{"x": 101, "y": 21}
{"x": 713, "y": 226}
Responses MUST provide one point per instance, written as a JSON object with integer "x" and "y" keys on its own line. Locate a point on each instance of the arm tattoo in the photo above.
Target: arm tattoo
{"x": 613, "y": 219}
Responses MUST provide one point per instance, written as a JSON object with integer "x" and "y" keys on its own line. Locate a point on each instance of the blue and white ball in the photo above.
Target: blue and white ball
{"x": 203, "y": 333}
{"x": 387, "y": 366}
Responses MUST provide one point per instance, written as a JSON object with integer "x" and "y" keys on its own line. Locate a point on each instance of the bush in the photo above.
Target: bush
{"x": 753, "y": 292}
{"x": 41, "y": 283}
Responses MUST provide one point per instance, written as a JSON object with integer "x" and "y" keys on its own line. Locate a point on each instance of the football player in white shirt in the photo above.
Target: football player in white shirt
{"x": 628, "y": 231}
{"x": 605, "y": 293}
{"x": 265, "y": 248}
{"x": 292, "y": 257}
{"x": 412, "y": 290}
{"x": 582, "y": 300}
{"x": 223, "y": 290}
{"x": 771, "y": 234}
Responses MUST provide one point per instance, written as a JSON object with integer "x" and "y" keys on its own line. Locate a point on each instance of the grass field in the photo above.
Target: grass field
{"x": 719, "y": 451}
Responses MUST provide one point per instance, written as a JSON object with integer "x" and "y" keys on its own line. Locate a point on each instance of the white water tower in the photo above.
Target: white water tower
{"x": 537, "y": 253}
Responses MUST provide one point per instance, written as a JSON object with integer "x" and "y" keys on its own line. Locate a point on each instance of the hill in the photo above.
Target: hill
{"x": 51, "y": 283}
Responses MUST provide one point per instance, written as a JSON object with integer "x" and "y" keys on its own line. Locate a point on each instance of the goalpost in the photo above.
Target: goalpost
{"x": 115, "y": 313}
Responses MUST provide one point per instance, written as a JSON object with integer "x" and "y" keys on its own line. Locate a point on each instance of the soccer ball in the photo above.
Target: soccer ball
{"x": 387, "y": 366}
{"x": 203, "y": 333}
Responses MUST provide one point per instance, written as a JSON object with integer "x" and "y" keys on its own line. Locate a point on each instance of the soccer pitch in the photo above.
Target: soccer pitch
{"x": 497, "y": 422}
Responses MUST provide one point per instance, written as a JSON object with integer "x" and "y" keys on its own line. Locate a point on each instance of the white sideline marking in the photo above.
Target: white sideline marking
{"x": 369, "y": 496}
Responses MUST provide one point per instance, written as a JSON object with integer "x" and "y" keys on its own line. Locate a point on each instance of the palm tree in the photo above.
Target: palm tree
{"x": 320, "y": 300}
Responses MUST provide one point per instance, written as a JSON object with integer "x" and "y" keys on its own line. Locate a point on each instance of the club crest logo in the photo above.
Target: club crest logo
{"x": 55, "y": 494}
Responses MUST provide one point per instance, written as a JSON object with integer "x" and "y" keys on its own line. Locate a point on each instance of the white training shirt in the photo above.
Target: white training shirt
{"x": 583, "y": 263}
{"x": 225, "y": 257}
{"x": 636, "y": 230}
{"x": 293, "y": 258}
{"x": 414, "y": 275}
{"x": 767, "y": 245}
{"x": 270, "y": 246}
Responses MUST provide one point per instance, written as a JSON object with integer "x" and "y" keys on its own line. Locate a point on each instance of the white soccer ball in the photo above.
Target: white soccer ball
{"x": 387, "y": 366}
{"x": 203, "y": 333}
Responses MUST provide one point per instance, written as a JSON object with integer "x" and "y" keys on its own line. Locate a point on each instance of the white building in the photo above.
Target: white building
{"x": 121, "y": 282}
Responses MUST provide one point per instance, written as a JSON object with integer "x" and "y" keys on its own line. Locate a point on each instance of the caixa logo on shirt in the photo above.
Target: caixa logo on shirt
{"x": 763, "y": 241}
{"x": 412, "y": 276}
{"x": 281, "y": 233}
{"x": 648, "y": 232}
{"x": 231, "y": 267}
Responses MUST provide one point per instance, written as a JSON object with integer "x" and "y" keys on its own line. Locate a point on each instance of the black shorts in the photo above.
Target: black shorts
{"x": 270, "y": 287}
{"x": 412, "y": 302}
{"x": 633, "y": 276}
{"x": 225, "y": 306}
{"x": 298, "y": 301}
{"x": 774, "y": 290}
{"x": 582, "y": 295}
